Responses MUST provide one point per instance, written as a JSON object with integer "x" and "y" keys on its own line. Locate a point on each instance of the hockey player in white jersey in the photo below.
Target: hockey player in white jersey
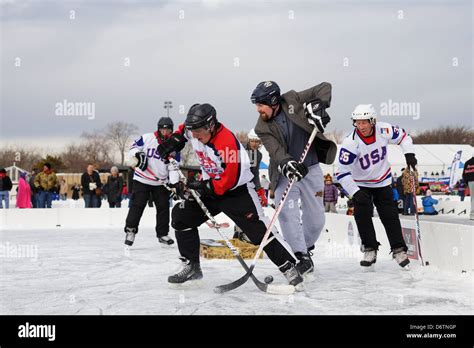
{"x": 365, "y": 173}
{"x": 152, "y": 176}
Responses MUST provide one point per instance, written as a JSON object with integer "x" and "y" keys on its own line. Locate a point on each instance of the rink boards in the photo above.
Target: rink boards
{"x": 445, "y": 245}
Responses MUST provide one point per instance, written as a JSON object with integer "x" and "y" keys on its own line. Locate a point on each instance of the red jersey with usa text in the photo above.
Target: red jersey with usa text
{"x": 223, "y": 159}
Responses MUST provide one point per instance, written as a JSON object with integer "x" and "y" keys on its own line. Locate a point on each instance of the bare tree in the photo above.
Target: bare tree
{"x": 446, "y": 135}
{"x": 98, "y": 149}
{"x": 22, "y": 157}
{"x": 120, "y": 134}
{"x": 76, "y": 158}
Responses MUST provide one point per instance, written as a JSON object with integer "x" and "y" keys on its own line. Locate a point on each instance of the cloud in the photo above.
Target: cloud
{"x": 218, "y": 51}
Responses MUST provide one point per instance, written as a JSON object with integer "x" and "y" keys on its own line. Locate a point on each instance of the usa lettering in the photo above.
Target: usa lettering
{"x": 152, "y": 153}
{"x": 373, "y": 158}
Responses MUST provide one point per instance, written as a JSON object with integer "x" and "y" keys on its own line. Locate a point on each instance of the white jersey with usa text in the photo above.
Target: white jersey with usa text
{"x": 364, "y": 162}
{"x": 157, "y": 172}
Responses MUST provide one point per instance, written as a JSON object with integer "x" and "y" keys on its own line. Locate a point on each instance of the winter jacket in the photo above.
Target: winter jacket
{"x": 428, "y": 203}
{"x": 468, "y": 171}
{"x": 23, "y": 198}
{"x": 87, "y": 179}
{"x": 5, "y": 183}
{"x": 330, "y": 193}
{"x": 31, "y": 182}
{"x": 401, "y": 193}
{"x": 114, "y": 191}
{"x": 407, "y": 183}
{"x": 274, "y": 140}
{"x": 46, "y": 181}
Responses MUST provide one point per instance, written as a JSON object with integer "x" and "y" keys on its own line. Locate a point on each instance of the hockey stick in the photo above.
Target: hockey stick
{"x": 417, "y": 220}
{"x": 245, "y": 277}
{"x": 269, "y": 288}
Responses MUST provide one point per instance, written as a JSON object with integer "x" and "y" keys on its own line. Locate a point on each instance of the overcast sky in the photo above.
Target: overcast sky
{"x": 217, "y": 51}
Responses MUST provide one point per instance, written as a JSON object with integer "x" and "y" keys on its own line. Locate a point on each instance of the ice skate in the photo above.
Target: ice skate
{"x": 165, "y": 241}
{"x": 305, "y": 265}
{"x": 130, "y": 235}
{"x": 189, "y": 274}
{"x": 294, "y": 277}
{"x": 401, "y": 257}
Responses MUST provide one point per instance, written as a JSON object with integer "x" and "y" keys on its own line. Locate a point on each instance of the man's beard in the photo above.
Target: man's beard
{"x": 265, "y": 117}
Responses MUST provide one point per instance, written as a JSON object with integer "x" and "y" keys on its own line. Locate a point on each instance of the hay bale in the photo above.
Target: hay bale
{"x": 212, "y": 249}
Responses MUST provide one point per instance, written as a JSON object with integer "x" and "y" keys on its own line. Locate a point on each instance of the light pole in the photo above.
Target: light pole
{"x": 168, "y": 105}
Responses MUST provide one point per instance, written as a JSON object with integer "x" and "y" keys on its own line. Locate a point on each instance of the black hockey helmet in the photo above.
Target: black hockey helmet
{"x": 165, "y": 123}
{"x": 201, "y": 116}
{"x": 267, "y": 93}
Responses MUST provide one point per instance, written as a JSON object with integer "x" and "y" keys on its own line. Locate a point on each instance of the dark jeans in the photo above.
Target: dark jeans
{"x": 44, "y": 199}
{"x": 388, "y": 213}
{"x": 34, "y": 200}
{"x": 91, "y": 200}
{"x": 5, "y": 196}
{"x": 409, "y": 207}
{"x": 115, "y": 204}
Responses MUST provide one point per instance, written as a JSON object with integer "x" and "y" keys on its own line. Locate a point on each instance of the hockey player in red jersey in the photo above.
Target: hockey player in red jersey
{"x": 225, "y": 187}
{"x": 365, "y": 173}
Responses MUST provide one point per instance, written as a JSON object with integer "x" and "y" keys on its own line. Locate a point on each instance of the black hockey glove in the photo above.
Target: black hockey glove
{"x": 411, "y": 160}
{"x": 203, "y": 187}
{"x": 316, "y": 113}
{"x": 142, "y": 161}
{"x": 292, "y": 169}
{"x": 178, "y": 191}
{"x": 362, "y": 197}
{"x": 175, "y": 142}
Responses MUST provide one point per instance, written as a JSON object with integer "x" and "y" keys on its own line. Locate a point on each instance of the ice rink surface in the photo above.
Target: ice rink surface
{"x": 88, "y": 271}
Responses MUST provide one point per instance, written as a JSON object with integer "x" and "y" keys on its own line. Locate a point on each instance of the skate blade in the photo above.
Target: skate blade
{"x": 190, "y": 284}
{"x": 368, "y": 269}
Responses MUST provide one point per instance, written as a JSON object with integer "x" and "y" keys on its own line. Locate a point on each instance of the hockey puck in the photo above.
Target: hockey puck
{"x": 268, "y": 279}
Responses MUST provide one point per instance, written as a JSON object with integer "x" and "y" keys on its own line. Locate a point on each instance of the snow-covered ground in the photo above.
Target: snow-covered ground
{"x": 87, "y": 271}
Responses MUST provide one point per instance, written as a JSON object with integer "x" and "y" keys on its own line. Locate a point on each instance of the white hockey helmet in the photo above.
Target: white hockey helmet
{"x": 364, "y": 112}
